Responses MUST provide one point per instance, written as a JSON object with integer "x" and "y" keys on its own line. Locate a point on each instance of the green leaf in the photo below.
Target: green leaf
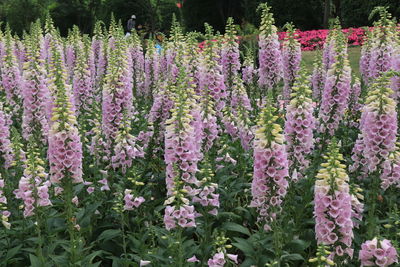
{"x": 35, "y": 262}
{"x": 33, "y": 239}
{"x": 29, "y": 250}
{"x": 61, "y": 260}
{"x": 109, "y": 234}
{"x": 78, "y": 188}
{"x": 96, "y": 264}
{"x": 298, "y": 245}
{"x": 56, "y": 223}
{"x": 88, "y": 211}
{"x": 12, "y": 252}
{"x": 292, "y": 257}
{"x": 244, "y": 245}
{"x": 116, "y": 262}
{"x": 231, "y": 226}
{"x": 89, "y": 258}
{"x": 229, "y": 215}
{"x": 247, "y": 263}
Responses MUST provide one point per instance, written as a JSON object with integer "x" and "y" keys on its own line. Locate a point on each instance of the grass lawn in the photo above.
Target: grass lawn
{"x": 354, "y": 57}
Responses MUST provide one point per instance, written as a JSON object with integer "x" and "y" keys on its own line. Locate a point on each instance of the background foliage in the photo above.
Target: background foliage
{"x": 155, "y": 15}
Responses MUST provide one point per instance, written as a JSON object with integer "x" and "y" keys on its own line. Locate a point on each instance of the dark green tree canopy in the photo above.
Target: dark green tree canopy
{"x": 156, "y": 15}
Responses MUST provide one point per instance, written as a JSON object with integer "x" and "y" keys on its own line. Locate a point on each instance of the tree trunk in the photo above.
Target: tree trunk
{"x": 221, "y": 11}
{"x": 327, "y": 13}
{"x": 338, "y": 11}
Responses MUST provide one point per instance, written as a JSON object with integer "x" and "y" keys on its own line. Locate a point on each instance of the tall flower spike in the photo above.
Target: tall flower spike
{"x": 366, "y": 56}
{"x": 270, "y": 58}
{"x": 230, "y": 56}
{"x": 236, "y": 116}
{"x": 333, "y": 205}
{"x": 11, "y": 77}
{"x": 132, "y": 198}
{"x": 74, "y": 43}
{"x": 4, "y": 213}
{"x": 291, "y": 58}
{"x": 379, "y": 125}
{"x": 195, "y": 62}
{"x": 249, "y": 73}
{"x": 82, "y": 81}
{"x": 117, "y": 93}
{"x": 65, "y": 147}
{"x": 18, "y": 149}
{"x": 208, "y": 197}
{"x": 49, "y": 31}
{"x": 182, "y": 152}
{"x": 20, "y": 52}
{"x": 177, "y": 52}
{"x": 357, "y": 205}
{"x": 152, "y": 69}
{"x": 208, "y": 103}
{"x": 126, "y": 148}
{"x": 318, "y": 79}
{"x": 391, "y": 170}
{"x": 91, "y": 117}
{"x": 35, "y": 92}
{"x": 6, "y": 151}
{"x": 271, "y": 172}
{"x": 383, "y": 43}
{"x": 217, "y": 47}
{"x": 99, "y": 57}
{"x": 336, "y": 94}
{"x": 395, "y": 85}
{"x": 159, "y": 113}
{"x": 33, "y": 187}
{"x": 70, "y": 61}
{"x": 212, "y": 79}
{"x": 2, "y": 48}
{"x": 299, "y": 125}
{"x": 168, "y": 61}
{"x": 359, "y": 165}
{"x": 354, "y": 110}
{"x": 329, "y": 52}
{"x": 136, "y": 52}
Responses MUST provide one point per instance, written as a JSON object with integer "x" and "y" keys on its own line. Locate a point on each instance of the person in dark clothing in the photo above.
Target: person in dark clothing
{"x": 131, "y": 24}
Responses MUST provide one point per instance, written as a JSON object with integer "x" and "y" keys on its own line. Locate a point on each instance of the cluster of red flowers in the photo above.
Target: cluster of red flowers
{"x": 315, "y": 39}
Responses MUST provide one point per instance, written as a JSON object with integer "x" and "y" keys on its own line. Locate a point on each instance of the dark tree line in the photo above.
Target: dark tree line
{"x": 156, "y": 15}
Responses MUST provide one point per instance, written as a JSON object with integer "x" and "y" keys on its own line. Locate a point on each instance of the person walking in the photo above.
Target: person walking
{"x": 131, "y": 23}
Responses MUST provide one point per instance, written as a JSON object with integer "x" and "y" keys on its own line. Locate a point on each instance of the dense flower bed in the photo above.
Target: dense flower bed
{"x": 118, "y": 153}
{"x": 314, "y": 39}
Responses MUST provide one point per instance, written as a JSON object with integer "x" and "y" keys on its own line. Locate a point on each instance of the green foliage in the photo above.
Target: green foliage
{"x": 21, "y": 13}
{"x": 355, "y": 12}
{"x": 156, "y": 15}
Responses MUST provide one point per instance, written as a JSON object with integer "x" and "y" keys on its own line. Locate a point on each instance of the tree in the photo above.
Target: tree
{"x": 19, "y": 14}
{"x": 327, "y": 13}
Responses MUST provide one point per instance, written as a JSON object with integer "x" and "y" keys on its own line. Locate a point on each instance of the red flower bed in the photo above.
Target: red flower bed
{"x": 315, "y": 39}
{"x": 311, "y": 40}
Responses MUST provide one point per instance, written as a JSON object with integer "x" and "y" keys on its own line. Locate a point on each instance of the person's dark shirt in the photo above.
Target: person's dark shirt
{"x": 131, "y": 24}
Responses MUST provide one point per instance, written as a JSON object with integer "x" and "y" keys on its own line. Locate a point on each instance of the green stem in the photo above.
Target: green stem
{"x": 124, "y": 239}
{"x": 373, "y": 196}
{"x": 181, "y": 260}
{"x": 40, "y": 243}
{"x": 277, "y": 239}
{"x": 290, "y": 203}
{"x": 207, "y": 236}
{"x": 69, "y": 217}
